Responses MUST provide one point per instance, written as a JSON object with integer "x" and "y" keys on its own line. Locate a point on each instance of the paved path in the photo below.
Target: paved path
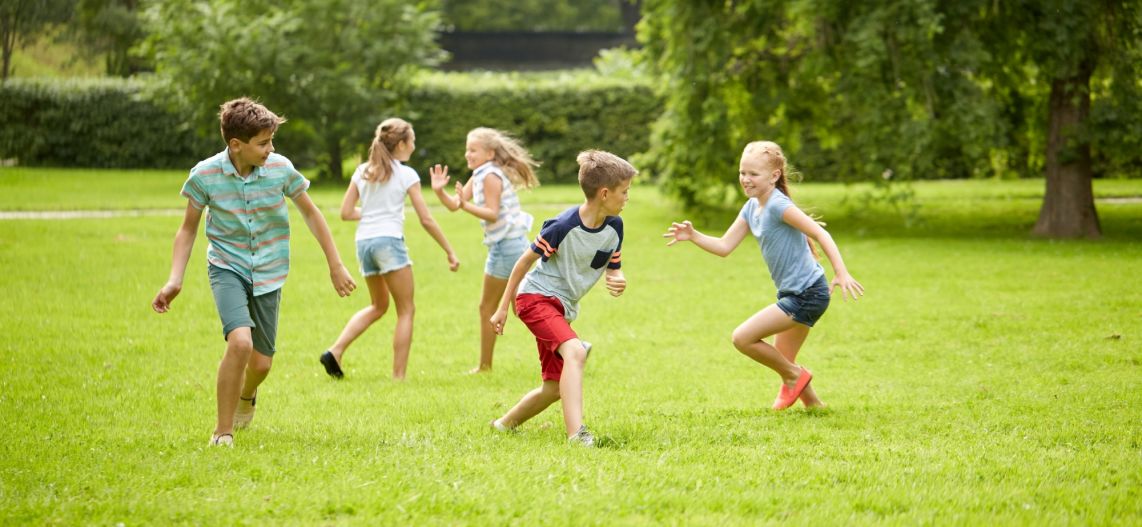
{"x": 85, "y": 214}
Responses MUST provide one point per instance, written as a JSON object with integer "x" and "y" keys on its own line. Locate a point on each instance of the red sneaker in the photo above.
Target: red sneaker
{"x": 788, "y": 395}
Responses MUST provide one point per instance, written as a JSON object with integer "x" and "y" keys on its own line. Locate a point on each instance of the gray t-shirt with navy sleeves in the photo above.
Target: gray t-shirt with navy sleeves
{"x": 784, "y": 248}
{"x": 572, "y": 258}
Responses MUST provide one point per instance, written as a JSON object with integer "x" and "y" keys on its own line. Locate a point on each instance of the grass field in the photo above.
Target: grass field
{"x": 987, "y": 377}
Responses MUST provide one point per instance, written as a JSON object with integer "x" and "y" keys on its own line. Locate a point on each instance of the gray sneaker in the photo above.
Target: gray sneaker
{"x": 586, "y": 348}
{"x": 582, "y": 437}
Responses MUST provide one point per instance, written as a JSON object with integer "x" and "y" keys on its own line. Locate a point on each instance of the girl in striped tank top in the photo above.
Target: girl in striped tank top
{"x": 500, "y": 165}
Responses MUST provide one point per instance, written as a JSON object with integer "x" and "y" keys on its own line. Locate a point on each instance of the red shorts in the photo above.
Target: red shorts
{"x": 543, "y": 315}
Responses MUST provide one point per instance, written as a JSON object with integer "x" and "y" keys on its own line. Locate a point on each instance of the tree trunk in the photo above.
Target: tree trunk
{"x": 1068, "y": 206}
{"x": 333, "y": 148}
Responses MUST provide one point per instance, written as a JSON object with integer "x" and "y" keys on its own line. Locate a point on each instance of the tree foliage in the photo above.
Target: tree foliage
{"x": 331, "y": 66}
{"x": 109, "y": 28}
{"x": 21, "y": 21}
{"x": 859, "y": 90}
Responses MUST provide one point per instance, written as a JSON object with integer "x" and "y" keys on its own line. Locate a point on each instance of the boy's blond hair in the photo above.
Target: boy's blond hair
{"x": 599, "y": 169}
{"x": 244, "y": 118}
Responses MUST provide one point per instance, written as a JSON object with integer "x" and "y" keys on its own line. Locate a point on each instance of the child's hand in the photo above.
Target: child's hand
{"x": 849, "y": 286}
{"x": 439, "y": 176}
{"x": 498, "y": 319}
{"x": 616, "y": 284}
{"x": 453, "y": 263}
{"x": 162, "y": 301}
{"x": 459, "y": 194}
{"x": 342, "y": 282}
{"x": 680, "y": 232}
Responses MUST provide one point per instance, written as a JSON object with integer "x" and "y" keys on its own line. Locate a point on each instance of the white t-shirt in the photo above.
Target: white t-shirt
{"x": 382, "y": 204}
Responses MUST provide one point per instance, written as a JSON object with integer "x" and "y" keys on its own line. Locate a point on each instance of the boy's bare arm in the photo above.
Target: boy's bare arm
{"x": 183, "y": 243}
{"x": 338, "y": 274}
{"x": 522, "y": 266}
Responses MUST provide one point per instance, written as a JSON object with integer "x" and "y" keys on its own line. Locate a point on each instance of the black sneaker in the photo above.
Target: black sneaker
{"x": 331, "y": 366}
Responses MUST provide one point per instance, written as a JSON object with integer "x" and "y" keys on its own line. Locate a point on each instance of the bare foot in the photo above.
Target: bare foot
{"x": 480, "y": 369}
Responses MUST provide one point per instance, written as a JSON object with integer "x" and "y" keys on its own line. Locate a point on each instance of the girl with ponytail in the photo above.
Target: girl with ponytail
{"x": 375, "y": 198}
{"x": 783, "y": 232}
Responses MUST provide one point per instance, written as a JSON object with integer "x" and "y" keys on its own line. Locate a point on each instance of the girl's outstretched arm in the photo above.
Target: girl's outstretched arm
{"x": 490, "y": 212}
{"x": 685, "y": 231}
{"x": 440, "y": 178}
{"x": 429, "y": 224}
{"x": 841, "y": 277}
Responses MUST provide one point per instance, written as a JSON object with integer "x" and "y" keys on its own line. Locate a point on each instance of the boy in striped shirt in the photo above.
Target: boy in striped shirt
{"x": 247, "y": 227}
{"x": 574, "y": 250}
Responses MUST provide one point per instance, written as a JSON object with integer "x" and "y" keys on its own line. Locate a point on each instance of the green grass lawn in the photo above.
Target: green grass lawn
{"x": 987, "y": 376}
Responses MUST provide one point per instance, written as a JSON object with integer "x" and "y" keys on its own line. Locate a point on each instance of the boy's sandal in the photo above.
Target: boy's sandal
{"x": 331, "y": 366}
{"x": 222, "y": 440}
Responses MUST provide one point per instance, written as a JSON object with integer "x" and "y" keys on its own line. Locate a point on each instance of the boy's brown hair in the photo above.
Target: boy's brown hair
{"x": 599, "y": 169}
{"x": 244, "y": 118}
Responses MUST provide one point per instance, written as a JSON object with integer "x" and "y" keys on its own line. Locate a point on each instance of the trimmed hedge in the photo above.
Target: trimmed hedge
{"x": 113, "y": 123}
{"x": 98, "y": 123}
{"x": 555, "y": 115}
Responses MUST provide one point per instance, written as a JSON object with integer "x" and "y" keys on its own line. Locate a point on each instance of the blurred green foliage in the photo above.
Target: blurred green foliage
{"x": 921, "y": 88}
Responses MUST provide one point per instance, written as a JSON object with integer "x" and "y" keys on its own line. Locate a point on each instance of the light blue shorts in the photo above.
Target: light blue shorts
{"x": 382, "y": 255}
{"x": 502, "y": 256}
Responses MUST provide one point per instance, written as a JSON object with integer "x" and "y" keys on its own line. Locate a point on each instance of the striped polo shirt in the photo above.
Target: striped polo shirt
{"x": 247, "y": 224}
{"x": 512, "y": 221}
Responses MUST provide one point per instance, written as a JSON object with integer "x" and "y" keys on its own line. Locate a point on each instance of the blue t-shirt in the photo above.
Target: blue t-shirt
{"x": 785, "y": 249}
{"x": 573, "y": 257}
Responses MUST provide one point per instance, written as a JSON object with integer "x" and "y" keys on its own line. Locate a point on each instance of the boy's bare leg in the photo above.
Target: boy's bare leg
{"x": 489, "y": 302}
{"x": 232, "y": 369}
{"x": 400, "y": 284}
{"x": 256, "y": 371}
{"x": 531, "y": 404}
{"x": 789, "y": 343}
{"x": 571, "y": 384}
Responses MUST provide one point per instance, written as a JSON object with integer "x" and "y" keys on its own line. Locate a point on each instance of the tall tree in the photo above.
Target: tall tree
{"x": 1069, "y": 42}
{"x": 109, "y": 28}
{"x": 334, "y": 65}
{"x": 21, "y": 21}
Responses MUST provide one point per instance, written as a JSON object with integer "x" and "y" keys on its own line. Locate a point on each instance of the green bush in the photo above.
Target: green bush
{"x": 114, "y": 123}
{"x": 93, "y": 123}
{"x": 555, "y": 115}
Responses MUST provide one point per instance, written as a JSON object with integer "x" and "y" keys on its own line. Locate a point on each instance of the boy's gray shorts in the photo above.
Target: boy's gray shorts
{"x": 239, "y": 308}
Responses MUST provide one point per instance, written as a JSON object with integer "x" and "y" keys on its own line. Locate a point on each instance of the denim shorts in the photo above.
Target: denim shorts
{"x": 502, "y": 256}
{"x": 382, "y": 255}
{"x": 239, "y": 308}
{"x": 808, "y": 306}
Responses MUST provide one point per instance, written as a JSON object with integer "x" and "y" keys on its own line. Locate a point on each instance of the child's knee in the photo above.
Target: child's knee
{"x": 573, "y": 351}
{"x": 740, "y": 340}
{"x": 378, "y": 309}
{"x": 240, "y": 341}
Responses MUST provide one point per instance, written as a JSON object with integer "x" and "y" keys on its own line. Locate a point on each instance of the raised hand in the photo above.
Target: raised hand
{"x": 680, "y": 232}
{"x": 439, "y": 176}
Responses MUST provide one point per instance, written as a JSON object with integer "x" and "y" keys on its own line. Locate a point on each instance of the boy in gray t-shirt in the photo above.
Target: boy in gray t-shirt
{"x": 573, "y": 249}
